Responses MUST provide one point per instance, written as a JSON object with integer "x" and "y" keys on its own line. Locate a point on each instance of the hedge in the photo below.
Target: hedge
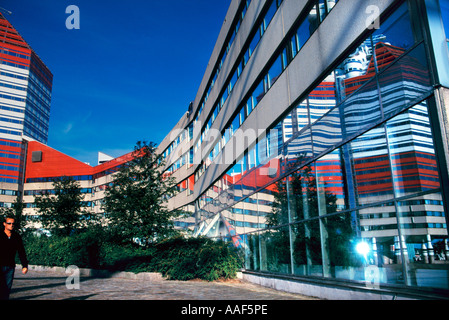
{"x": 176, "y": 259}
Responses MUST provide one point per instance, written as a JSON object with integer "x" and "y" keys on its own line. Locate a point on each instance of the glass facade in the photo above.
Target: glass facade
{"x": 444, "y": 5}
{"x": 347, "y": 185}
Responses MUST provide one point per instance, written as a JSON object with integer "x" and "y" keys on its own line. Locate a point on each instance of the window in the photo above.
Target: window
{"x": 274, "y": 72}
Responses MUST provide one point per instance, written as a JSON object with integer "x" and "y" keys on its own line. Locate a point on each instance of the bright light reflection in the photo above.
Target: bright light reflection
{"x": 362, "y": 248}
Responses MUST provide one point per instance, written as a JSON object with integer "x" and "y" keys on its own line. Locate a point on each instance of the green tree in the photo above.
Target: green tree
{"x": 61, "y": 210}
{"x": 134, "y": 203}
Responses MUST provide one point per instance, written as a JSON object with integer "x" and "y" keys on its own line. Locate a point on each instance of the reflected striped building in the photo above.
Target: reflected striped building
{"x": 311, "y": 133}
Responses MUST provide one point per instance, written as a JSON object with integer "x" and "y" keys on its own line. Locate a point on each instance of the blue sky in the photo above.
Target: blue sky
{"x": 127, "y": 74}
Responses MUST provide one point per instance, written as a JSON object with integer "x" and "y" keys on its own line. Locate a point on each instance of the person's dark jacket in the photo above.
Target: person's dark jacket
{"x": 8, "y": 249}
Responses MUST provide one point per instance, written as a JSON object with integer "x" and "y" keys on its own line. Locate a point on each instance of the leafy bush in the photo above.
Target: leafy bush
{"x": 177, "y": 258}
{"x": 81, "y": 250}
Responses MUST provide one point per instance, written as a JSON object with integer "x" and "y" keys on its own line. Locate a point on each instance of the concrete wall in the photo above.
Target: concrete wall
{"x": 328, "y": 292}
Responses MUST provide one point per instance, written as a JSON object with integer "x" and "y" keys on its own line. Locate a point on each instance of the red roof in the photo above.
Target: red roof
{"x": 57, "y": 164}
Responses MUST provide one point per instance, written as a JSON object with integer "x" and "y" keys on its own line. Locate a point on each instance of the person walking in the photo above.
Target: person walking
{"x": 10, "y": 244}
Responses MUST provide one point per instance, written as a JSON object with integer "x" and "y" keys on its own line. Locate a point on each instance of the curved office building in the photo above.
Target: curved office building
{"x": 318, "y": 144}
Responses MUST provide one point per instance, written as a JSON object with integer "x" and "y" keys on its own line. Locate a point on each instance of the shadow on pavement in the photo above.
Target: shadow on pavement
{"x": 82, "y": 297}
{"x": 31, "y": 297}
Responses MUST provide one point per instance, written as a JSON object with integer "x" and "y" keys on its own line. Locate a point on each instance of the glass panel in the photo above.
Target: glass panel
{"x": 306, "y": 28}
{"x": 323, "y": 9}
{"x": 275, "y": 251}
{"x": 327, "y": 132}
{"x": 353, "y": 81}
{"x": 274, "y": 137}
{"x": 339, "y": 256}
{"x": 275, "y": 71}
{"x": 258, "y": 93}
{"x": 313, "y": 20}
{"x": 239, "y": 220}
{"x": 302, "y": 194}
{"x": 252, "y": 252}
{"x": 254, "y": 43}
{"x": 405, "y": 81}
{"x": 229, "y": 216}
{"x": 393, "y": 38}
{"x": 242, "y": 115}
{"x": 371, "y": 167}
{"x": 279, "y": 214}
{"x": 265, "y": 200}
{"x": 361, "y": 110}
{"x": 235, "y": 123}
{"x": 425, "y": 241}
{"x": 330, "y": 180}
{"x": 249, "y": 105}
{"x": 238, "y": 191}
{"x": 444, "y": 4}
{"x": 302, "y": 116}
{"x": 249, "y": 183}
{"x": 252, "y": 210}
{"x": 287, "y": 127}
{"x": 269, "y": 15}
{"x": 298, "y": 151}
{"x": 331, "y": 4}
{"x": 322, "y": 98}
{"x": 267, "y": 172}
{"x": 372, "y": 256}
{"x": 378, "y": 227}
{"x": 307, "y": 255}
{"x": 412, "y": 152}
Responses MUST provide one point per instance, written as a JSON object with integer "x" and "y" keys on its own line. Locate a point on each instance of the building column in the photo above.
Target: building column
{"x": 439, "y": 117}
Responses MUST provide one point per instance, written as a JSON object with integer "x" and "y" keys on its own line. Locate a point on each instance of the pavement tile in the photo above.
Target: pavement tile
{"x": 47, "y": 285}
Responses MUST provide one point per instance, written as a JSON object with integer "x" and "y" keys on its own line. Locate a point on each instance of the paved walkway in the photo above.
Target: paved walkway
{"x": 47, "y": 285}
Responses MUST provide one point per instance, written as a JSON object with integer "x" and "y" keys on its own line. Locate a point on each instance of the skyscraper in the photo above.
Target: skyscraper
{"x": 25, "y": 96}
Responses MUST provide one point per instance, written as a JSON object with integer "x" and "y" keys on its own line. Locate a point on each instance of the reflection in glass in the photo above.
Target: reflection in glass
{"x": 248, "y": 183}
{"x": 339, "y": 243}
{"x": 298, "y": 151}
{"x": 357, "y": 69}
{"x": 302, "y": 194}
{"x": 251, "y": 214}
{"x": 330, "y": 181}
{"x": 361, "y": 110}
{"x": 369, "y": 211}
{"x": 327, "y": 132}
{"x": 279, "y": 214}
{"x": 371, "y": 258}
{"x": 265, "y": 200}
{"x": 403, "y": 82}
{"x": 307, "y": 248}
{"x": 444, "y": 4}
{"x": 302, "y": 117}
{"x": 371, "y": 167}
{"x": 274, "y": 73}
{"x": 394, "y": 37}
{"x": 287, "y": 127}
{"x": 425, "y": 241}
{"x": 412, "y": 153}
{"x": 275, "y": 251}
{"x": 322, "y": 98}
{"x": 252, "y": 252}
{"x": 378, "y": 227}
